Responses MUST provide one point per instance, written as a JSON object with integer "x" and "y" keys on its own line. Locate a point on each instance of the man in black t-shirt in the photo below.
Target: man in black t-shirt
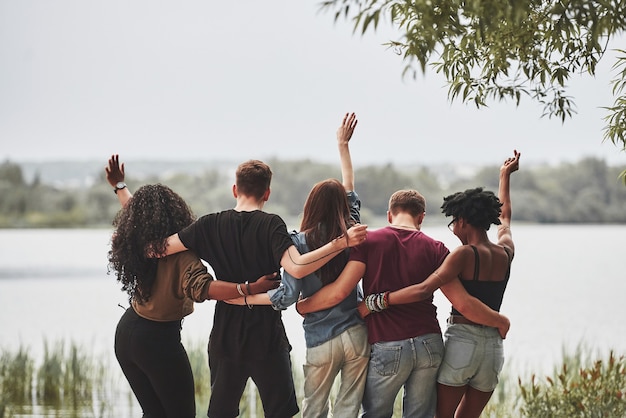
{"x": 241, "y": 245}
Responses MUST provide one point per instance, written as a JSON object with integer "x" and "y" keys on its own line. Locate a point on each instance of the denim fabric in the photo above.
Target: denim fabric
{"x": 347, "y": 353}
{"x": 321, "y": 326}
{"x": 412, "y": 363}
{"x": 474, "y": 356}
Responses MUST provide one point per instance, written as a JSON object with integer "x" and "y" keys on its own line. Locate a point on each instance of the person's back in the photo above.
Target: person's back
{"x": 397, "y": 257}
{"x": 489, "y": 275}
{"x": 407, "y": 346}
{"x": 241, "y": 246}
{"x": 330, "y": 208}
{"x": 336, "y": 338}
{"x": 337, "y": 345}
{"x": 246, "y": 341}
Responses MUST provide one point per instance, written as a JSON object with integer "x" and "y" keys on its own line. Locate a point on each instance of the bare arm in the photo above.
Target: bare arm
{"x": 449, "y": 270}
{"x": 197, "y": 287}
{"x": 258, "y": 289}
{"x": 300, "y": 265}
{"x": 333, "y": 293}
{"x": 173, "y": 245}
{"x": 344, "y": 133}
{"x": 115, "y": 174}
{"x": 259, "y": 299}
{"x": 446, "y": 278}
{"x": 510, "y": 165}
{"x": 473, "y": 309}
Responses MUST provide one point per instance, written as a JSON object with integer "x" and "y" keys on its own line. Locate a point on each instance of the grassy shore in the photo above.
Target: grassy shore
{"x": 68, "y": 381}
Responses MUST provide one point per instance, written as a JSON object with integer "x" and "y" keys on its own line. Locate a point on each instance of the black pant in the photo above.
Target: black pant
{"x": 156, "y": 365}
{"x": 272, "y": 376}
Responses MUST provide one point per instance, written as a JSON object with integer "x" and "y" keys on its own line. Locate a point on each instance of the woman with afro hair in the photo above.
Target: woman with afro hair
{"x": 161, "y": 291}
{"x": 475, "y": 272}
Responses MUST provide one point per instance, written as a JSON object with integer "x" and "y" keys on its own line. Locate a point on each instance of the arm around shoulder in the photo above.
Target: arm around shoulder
{"x": 174, "y": 245}
{"x": 333, "y": 293}
{"x": 300, "y": 265}
{"x": 449, "y": 270}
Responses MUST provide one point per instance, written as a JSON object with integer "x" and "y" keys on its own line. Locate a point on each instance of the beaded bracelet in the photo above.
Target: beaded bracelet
{"x": 377, "y": 302}
{"x": 239, "y": 289}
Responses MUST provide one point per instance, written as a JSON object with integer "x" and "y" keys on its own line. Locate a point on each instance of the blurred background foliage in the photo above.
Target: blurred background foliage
{"x": 587, "y": 191}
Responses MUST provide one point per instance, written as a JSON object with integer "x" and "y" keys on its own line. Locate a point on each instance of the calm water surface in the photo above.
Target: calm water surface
{"x": 567, "y": 287}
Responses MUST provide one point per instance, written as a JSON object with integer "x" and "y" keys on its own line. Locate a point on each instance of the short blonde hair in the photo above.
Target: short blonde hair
{"x": 409, "y": 201}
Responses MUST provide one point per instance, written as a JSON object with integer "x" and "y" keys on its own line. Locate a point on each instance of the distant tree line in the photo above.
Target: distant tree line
{"x": 588, "y": 191}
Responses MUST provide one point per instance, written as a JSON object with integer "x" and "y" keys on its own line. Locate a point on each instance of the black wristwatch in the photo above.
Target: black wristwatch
{"x": 119, "y": 186}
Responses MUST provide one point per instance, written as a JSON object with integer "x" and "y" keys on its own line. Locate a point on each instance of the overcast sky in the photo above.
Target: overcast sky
{"x": 82, "y": 79}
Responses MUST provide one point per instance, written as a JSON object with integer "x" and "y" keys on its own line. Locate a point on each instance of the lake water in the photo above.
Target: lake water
{"x": 567, "y": 287}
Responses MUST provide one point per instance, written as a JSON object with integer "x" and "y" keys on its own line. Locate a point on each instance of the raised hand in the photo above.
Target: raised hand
{"x": 511, "y": 164}
{"x": 346, "y": 129}
{"x": 114, "y": 171}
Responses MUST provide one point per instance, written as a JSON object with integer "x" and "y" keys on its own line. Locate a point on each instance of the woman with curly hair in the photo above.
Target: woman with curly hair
{"x": 161, "y": 291}
{"x": 474, "y": 353}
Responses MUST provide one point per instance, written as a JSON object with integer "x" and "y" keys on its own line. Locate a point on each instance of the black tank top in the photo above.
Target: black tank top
{"x": 490, "y": 293}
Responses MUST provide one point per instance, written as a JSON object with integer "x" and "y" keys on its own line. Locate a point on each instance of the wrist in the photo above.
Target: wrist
{"x": 299, "y": 306}
{"x": 339, "y": 244}
{"x": 120, "y": 185}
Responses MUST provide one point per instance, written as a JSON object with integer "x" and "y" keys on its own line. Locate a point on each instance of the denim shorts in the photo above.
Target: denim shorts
{"x": 474, "y": 356}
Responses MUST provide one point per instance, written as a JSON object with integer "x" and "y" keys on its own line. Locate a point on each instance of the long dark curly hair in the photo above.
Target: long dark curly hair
{"x": 153, "y": 213}
{"x": 478, "y": 207}
{"x": 326, "y": 215}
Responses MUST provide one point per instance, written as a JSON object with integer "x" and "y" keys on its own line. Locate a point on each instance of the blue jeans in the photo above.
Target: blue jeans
{"x": 348, "y": 353}
{"x": 412, "y": 363}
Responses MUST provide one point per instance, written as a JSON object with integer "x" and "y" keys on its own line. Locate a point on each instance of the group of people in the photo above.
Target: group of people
{"x": 378, "y": 339}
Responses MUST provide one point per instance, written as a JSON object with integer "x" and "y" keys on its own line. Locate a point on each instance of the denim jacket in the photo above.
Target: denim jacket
{"x": 321, "y": 326}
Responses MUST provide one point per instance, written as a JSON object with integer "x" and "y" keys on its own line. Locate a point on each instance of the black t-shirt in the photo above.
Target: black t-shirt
{"x": 241, "y": 246}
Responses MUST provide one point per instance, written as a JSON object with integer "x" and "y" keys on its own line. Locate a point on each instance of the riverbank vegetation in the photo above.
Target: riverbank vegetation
{"x": 71, "y": 382}
{"x": 588, "y": 191}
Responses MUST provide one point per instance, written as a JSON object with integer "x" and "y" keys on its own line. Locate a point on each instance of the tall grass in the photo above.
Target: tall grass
{"x": 70, "y": 382}
{"x": 16, "y": 378}
{"x": 65, "y": 382}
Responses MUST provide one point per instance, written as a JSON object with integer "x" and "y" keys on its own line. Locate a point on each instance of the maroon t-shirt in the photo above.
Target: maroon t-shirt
{"x": 397, "y": 258}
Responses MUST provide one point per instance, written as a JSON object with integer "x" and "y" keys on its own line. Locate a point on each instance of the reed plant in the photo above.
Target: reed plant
{"x": 72, "y": 383}
{"x": 16, "y": 378}
{"x": 50, "y": 374}
{"x": 66, "y": 383}
{"x": 198, "y": 358}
